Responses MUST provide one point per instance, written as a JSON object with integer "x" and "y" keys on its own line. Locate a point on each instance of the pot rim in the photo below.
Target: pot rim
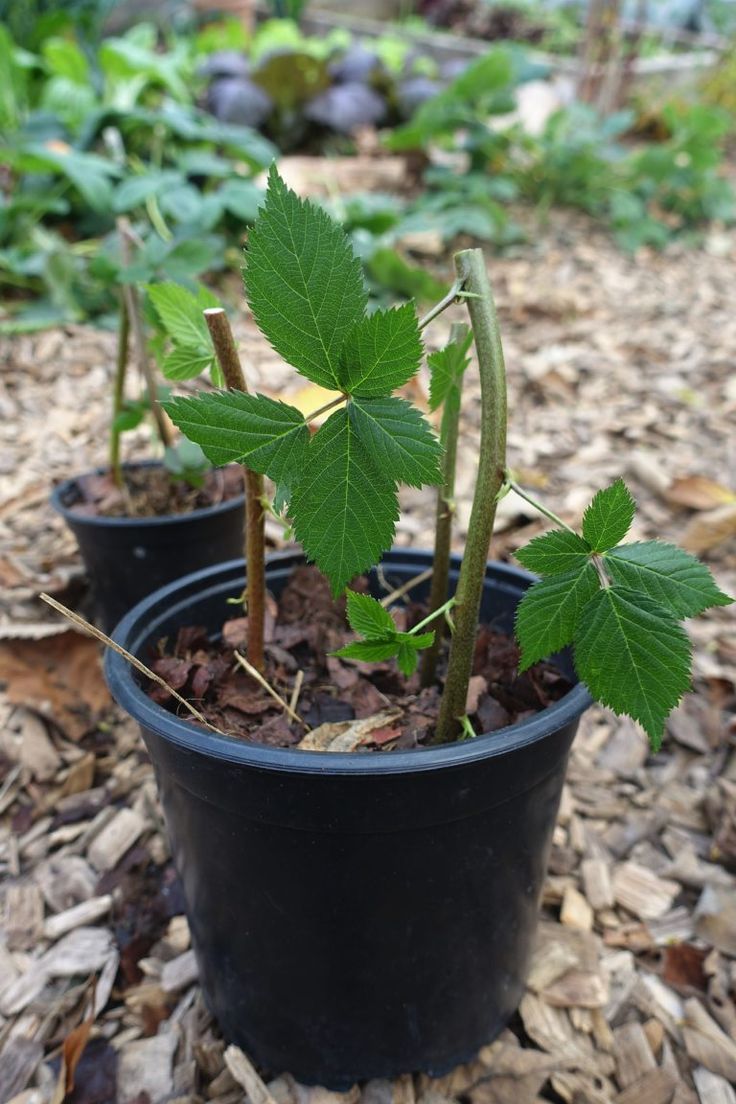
{"x": 191, "y": 737}
{"x": 96, "y": 521}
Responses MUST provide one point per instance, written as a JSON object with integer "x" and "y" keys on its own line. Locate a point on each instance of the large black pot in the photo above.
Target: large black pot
{"x": 354, "y": 915}
{"x": 128, "y": 558}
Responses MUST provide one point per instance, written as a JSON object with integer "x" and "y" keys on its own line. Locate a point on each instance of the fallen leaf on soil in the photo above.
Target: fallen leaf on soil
{"x": 710, "y": 529}
{"x": 347, "y": 735}
{"x": 683, "y": 966}
{"x": 699, "y": 493}
{"x": 59, "y": 677}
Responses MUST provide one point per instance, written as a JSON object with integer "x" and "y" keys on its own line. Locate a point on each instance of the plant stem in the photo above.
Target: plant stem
{"x": 471, "y": 269}
{"x": 443, "y": 304}
{"x": 118, "y": 393}
{"x": 135, "y": 318}
{"x": 323, "y": 409}
{"x": 445, "y": 512}
{"x": 255, "y": 549}
{"x": 538, "y": 505}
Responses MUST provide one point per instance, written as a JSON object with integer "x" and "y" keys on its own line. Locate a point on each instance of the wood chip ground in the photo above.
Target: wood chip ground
{"x": 617, "y": 365}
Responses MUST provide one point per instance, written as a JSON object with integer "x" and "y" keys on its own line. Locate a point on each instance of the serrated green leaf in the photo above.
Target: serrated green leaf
{"x": 264, "y": 434}
{"x": 184, "y": 363}
{"x": 633, "y": 656}
{"x": 303, "y": 282}
{"x": 446, "y": 368}
{"x": 608, "y": 518}
{"x": 671, "y": 577}
{"x": 181, "y": 315}
{"x": 381, "y": 352}
{"x": 368, "y": 617}
{"x": 548, "y": 614}
{"x": 407, "y": 649}
{"x": 344, "y": 508}
{"x": 398, "y": 438}
{"x": 369, "y": 651}
{"x": 554, "y": 553}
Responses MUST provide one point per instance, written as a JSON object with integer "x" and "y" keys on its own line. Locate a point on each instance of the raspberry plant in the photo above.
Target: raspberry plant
{"x": 618, "y": 605}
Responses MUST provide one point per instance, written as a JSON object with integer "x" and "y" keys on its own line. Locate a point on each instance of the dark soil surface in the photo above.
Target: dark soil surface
{"x": 302, "y": 628}
{"x": 152, "y": 492}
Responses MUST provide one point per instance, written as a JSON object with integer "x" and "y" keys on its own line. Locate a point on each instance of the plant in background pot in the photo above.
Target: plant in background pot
{"x": 363, "y": 903}
{"x": 141, "y": 525}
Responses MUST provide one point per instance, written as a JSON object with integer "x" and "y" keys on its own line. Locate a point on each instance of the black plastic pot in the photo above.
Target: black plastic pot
{"x": 128, "y": 558}
{"x": 354, "y": 915}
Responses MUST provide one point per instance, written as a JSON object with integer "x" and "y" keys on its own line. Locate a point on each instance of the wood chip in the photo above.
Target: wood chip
{"x": 706, "y": 1043}
{"x": 245, "y": 1074}
{"x": 597, "y": 886}
{"x": 19, "y": 1060}
{"x": 642, "y": 892}
{"x": 575, "y": 911}
{"x": 86, "y": 912}
{"x": 713, "y": 1089}
{"x": 23, "y": 917}
{"x": 577, "y": 989}
{"x": 634, "y": 1058}
{"x": 145, "y": 1069}
{"x": 715, "y": 918}
{"x": 179, "y": 973}
{"x": 106, "y": 851}
{"x": 655, "y": 1087}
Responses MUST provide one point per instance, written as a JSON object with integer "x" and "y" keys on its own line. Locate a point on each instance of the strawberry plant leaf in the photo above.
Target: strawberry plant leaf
{"x": 547, "y": 615}
{"x": 633, "y": 656}
{"x": 399, "y": 439}
{"x": 344, "y": 508}
{"x": 268, "y": 436}
{"x": 381, "y": 352}
{"x": 303, "y": 283}
{"x": 368, "y": 617}
{"x": 669, "y": 576}
{"x": 446, "y": 368}
{"x": 608, "y": 518}
{"x": 554, "y": 553}
{"x": 184, "y": 363}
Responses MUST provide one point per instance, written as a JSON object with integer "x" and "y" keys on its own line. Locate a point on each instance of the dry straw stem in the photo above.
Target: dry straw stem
{"x": 255, "y": 518}
{"x": 289, "y": 709}
{"x": 92, "y": 630}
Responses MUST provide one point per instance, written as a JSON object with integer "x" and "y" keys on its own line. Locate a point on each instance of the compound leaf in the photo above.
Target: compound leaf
{"x": 608, "y": 518}
{"x": 344, "y": 508}
{"x": 554, "y": 553}
{"x": 368, "y": 617}
{"x": 267, "y": 435}
{"x": 381, "y": 352}
{"x": 547, "y": 615}
{"x": 633, "y": 656}
{"x": 303, "y": 282}
{"x": 671, "y": 577}
{"x": 369, "y": 651}
{"x": 399, "y": 439}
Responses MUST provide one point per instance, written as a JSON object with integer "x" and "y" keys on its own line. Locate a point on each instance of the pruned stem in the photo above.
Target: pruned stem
{"x": 135, "y": 318}
{"x": 445, "y": 512}
{"x": 471, "y": 269}
{"x": 255, "y": 544}
{"x": 118, "y": 392}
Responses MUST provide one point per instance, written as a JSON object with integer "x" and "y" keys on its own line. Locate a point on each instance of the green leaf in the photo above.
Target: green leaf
{"x": 184, "y": 363}
{"x": 398, "y": 438}
{"x": 181, "y": 314}
{"x": 554, "y": 553}
{"x": 633, "y": 657}
{"x": 547, "y": 615}
{"x": 369, "y": 651}
{"x": 446, "y": 368}
{"x": 608, "y": 518}
{"x": 382, "y": 352}
{"x": 671, "y": 577}
{"x": 344, "y": 508}
{"x": 303, "y": 283}
{"x": 264, "y": 434}
{"x": 408, "y": 646}
{"x": 368, "y": 617}
{"x": 389, "y": 269}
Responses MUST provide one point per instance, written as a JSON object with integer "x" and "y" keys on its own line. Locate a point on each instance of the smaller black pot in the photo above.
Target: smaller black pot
{"x": 128, "y": 558}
